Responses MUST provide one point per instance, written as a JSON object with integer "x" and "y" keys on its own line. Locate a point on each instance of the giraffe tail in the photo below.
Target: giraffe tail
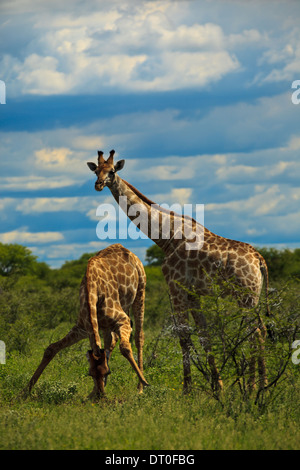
{"x": 265, "y": 273}
{"x": 92, "y": 308}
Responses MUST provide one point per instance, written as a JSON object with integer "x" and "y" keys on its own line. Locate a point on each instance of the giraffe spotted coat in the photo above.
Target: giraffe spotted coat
{"x": 114, "y": 282}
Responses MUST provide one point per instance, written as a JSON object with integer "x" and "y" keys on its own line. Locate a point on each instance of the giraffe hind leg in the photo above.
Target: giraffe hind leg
{"x": 257, "y": 359}
{"x": 110, "y": 340}
{"x": 138, "y": 313}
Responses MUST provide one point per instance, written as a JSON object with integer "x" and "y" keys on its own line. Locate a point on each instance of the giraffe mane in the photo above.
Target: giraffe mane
{"x": 149, "y": 203}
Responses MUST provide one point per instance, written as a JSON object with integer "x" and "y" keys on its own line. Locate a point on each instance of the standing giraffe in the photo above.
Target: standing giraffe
{"x": 215, "y": 256}
{"x": 115, "y": 280}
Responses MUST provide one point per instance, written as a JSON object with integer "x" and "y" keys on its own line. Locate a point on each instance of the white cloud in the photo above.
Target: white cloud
{"x": 283, "y": 55}
{"x": 33, "y": 183}
{"x": 246, "y": 37}
{"x": 208, "y": 36}
{"x": 176, "y": 196}
{"x": 22, "y": 236}
{"x": 89, "y": 142}
{"x": 237, "y": 171}
{"x": 270, "y": 201}
{"x": 150, "y": 46}
{"x": 43, "y": 205}
{"x": 287, "y": 224}
{"x": 56, "y": 255}
{"x": 186, "y": 69}
{"x": 293, "y": 144}
{"x": 39, "y": 75}
{"x": 56, "y": 156}
{"x": 135, "y": 47}
{"x": 71, "y": 250}
{"x": 174, "y": 168}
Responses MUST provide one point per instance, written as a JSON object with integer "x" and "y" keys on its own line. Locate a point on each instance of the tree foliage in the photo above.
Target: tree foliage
{"x": 282, "y": 263}
{"x": 16, "y": 259}
{"x": 154, "y": 255}
{"x": 36, "y": 300}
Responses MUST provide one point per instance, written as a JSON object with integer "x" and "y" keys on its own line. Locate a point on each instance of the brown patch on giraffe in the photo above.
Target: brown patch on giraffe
{"x": 128, "y": 270}
{"x": 194, "y": 263}
{"x": 245, "y": 271}
{"x": 202, "y": 255}
{"x": 240, "y": 262}
{"x": 193, "y": 254}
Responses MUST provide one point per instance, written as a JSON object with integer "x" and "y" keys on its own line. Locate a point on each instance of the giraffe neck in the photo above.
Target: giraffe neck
{"x": 157, "y": 223}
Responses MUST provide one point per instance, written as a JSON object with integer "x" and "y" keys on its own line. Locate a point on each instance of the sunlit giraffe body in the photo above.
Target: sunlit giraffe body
{"x": 193, "y": 268}
{"x": 114, "y": 282}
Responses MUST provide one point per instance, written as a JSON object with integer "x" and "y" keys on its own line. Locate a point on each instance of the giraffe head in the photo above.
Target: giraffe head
{"x": 98, "y": 370}
{"x": 105, "y": 170}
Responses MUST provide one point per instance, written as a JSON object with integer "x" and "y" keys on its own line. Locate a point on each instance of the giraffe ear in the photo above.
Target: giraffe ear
{"x": 119, "y": 165}
{"x": 92, "y": 166}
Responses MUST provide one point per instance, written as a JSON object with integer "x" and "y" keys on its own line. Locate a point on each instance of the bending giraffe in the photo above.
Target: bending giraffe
{"x": 193, "y": 254}
{"x": 114, "y": 282}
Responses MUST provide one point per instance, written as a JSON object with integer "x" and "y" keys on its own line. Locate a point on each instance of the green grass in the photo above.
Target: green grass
{"x": 35, "y": 312}
{"x": 58, "y": 414}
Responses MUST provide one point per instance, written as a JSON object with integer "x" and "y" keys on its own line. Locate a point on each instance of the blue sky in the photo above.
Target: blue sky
{"x": 194, "y": 95}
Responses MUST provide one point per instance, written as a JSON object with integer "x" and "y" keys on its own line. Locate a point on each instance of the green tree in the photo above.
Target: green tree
{"x": 154, "y": 256}
{"x": 282, "y": 263}
{"x": 16, "y": 259}
{"x": 70, "y": 273}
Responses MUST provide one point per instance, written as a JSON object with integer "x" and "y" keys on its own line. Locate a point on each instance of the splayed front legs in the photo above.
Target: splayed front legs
{"x": 99, "y": 369}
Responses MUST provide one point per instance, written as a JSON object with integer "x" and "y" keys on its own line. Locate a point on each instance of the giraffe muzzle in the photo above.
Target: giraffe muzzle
{"x": 99, "y": 186}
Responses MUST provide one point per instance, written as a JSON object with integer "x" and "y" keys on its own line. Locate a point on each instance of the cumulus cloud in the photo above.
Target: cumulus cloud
{"x": 22, "y": 236}
{"x": 272, "y": 200}
{"x": 230, "y": 141}
{"x": 56, "y": 254}
{"x": 55, "y": 156}
{"x": 140, "y": 48}
{"x": 43, "y": 205}
{"x": 70, "y": 250}
{"x": 293, "y": 144}
{"x": 33, "y": 183}
{"x": 177, "y": 196}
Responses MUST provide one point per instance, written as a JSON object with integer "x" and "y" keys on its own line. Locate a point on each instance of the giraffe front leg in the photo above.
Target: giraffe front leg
{"x": 75, "y": 334}
{"x": 252, "y": 364}
{"x": 138, "y": 313}
{"x": 124, "y": 331}
{"x": 204, "y": 339}
{"x": 182, "y": 329}
{"x": 262, "y": 370}
{"x": 187, "y": 378}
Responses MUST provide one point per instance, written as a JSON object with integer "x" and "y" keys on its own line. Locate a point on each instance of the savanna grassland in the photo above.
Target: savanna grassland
{"x": 39, "y": 305}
